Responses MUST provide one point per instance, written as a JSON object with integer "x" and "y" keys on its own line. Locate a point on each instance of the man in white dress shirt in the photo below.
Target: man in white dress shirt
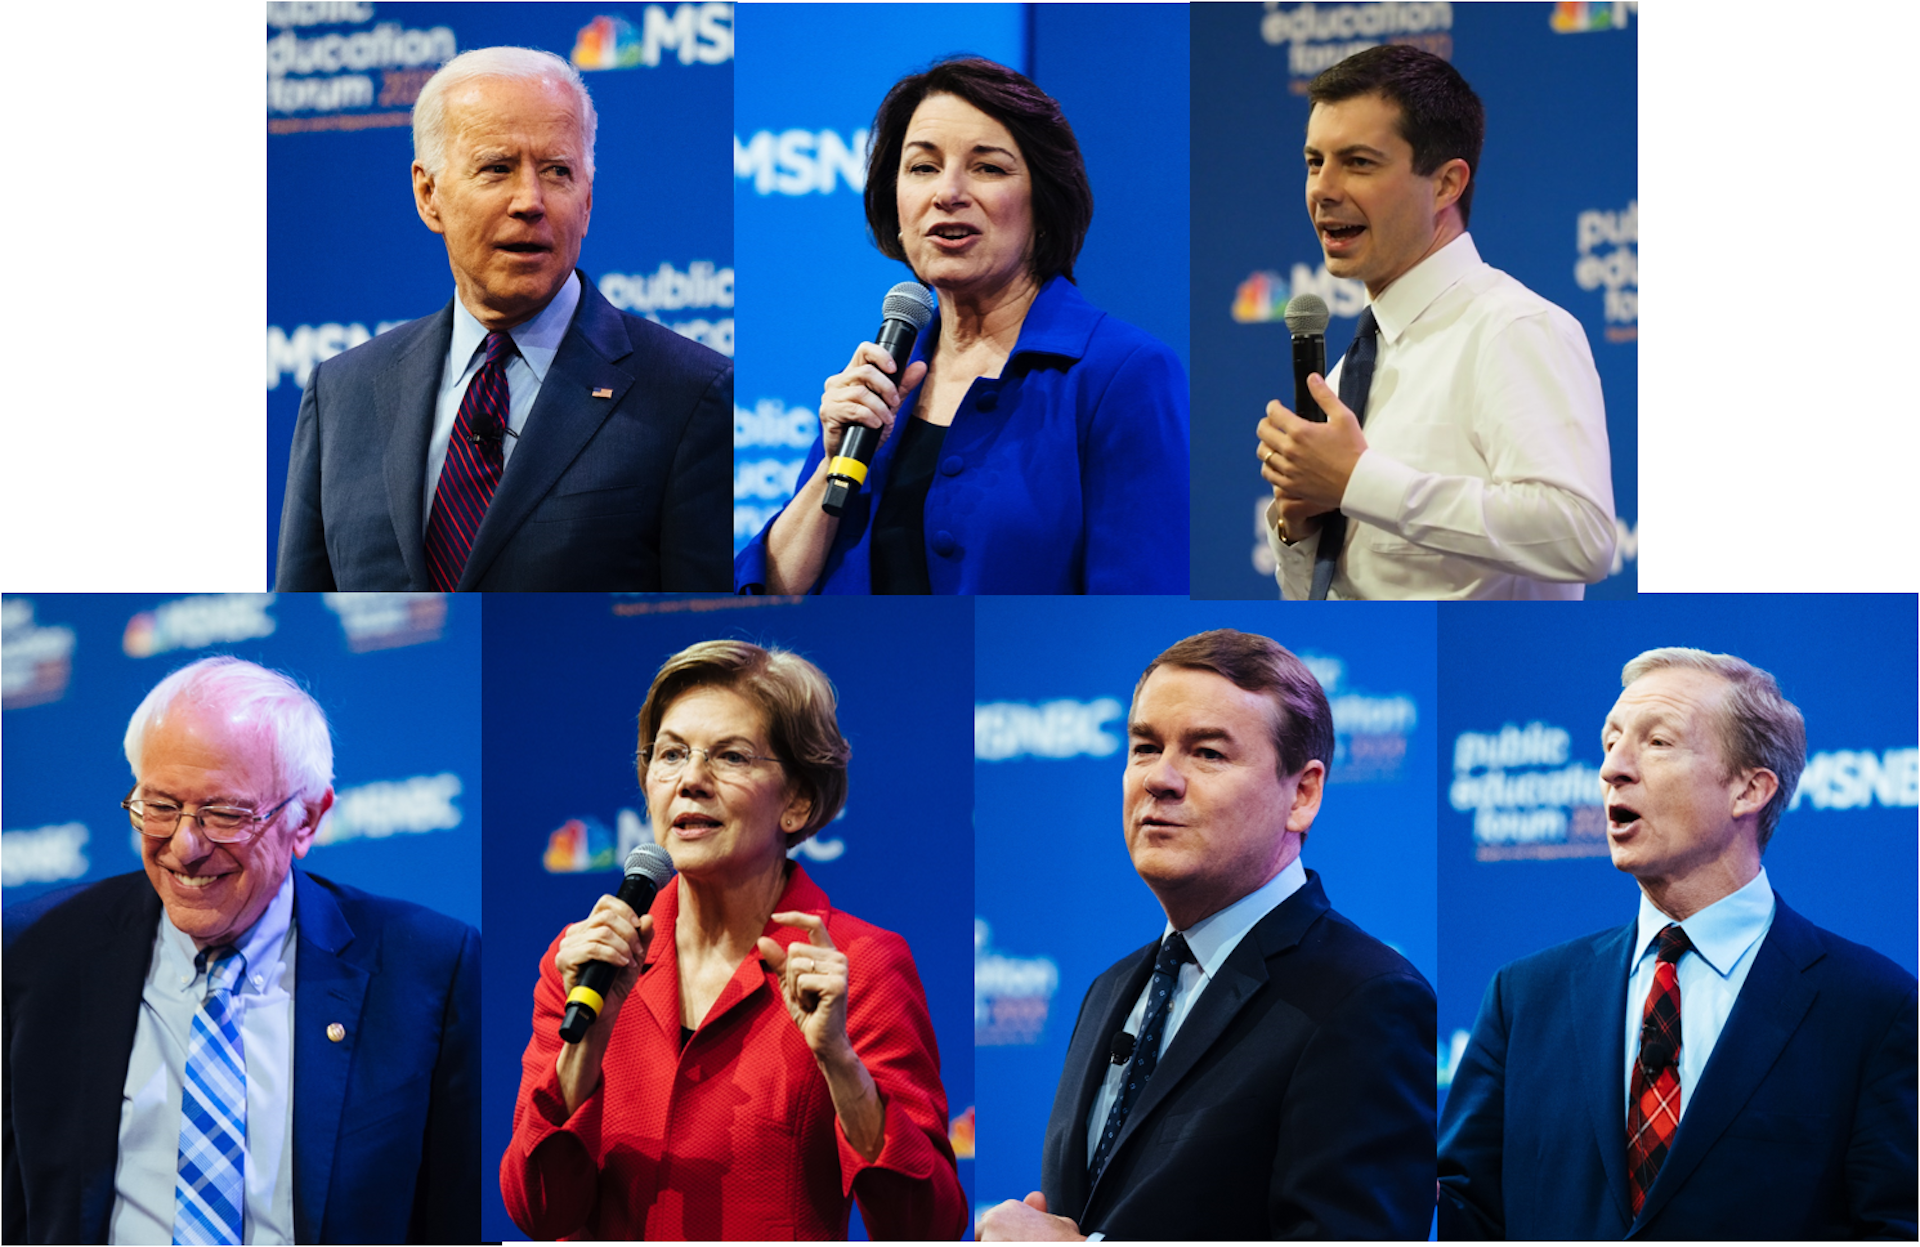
{"x": 1482, "y": 470}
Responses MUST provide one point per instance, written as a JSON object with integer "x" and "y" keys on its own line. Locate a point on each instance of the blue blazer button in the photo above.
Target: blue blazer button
{"x": 944, "y": 545}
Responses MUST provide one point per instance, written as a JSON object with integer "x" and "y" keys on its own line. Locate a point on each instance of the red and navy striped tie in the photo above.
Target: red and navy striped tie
{"x": 472, "y": 467}
{"x": 1653, "y": 1108}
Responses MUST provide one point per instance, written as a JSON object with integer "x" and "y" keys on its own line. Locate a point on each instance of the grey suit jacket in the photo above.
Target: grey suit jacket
{"x": 627, "y": 492}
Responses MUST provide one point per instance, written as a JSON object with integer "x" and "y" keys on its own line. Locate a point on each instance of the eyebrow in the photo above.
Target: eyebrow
{"x": 978, "y": 148}
{"x": 1350, "y": 149}
{"x": 1191, "y": 737}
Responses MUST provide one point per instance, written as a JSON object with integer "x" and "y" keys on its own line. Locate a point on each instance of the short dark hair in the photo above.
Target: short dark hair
{"x": 1302, "y": 719}
{"x": 1062, "y": 199}
{"x": 1440, "y": 116}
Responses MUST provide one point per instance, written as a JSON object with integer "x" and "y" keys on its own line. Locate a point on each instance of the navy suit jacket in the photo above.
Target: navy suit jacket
{"x": 632, "y": 492}
{"x": 1295, "y": 1101}
{"x": 1802, "y": 1125}
{"x": 386, "y": 1130}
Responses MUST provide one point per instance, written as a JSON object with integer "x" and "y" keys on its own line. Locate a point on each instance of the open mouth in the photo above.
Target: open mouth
{"x": 194, "y": 881}
{"x": 525, "y": 248}
{"x": 1621, "y": 815}
{"x": 695, "y": 824}
{"x": 953, "y": 231}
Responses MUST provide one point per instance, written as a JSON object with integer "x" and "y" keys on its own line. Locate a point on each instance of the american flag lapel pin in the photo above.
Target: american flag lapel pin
{"x": 603, "y": 393}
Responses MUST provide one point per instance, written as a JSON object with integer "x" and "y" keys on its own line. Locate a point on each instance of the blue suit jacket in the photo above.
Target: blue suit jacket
{"x": 632, "y": 492}
{"x": 1802, "y": 1125}
{"x": 1065, "y": 474}
{"x": 386, "y": 1133}
{"x": 1295, "y": 1101}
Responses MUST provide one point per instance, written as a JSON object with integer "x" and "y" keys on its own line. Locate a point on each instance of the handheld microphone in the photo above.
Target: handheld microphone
{"x": 1122, "y": 1048}
{"x": 648, "y": 870}
{"x": 1307, "y": 317}
{"x": 907, "y": 309}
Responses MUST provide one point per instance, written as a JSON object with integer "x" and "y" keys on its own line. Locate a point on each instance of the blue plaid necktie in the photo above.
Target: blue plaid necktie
{"x": 210, "y": 1193}
{"x": 1146, "y": 1053}
{"x": 1356, "y": 378}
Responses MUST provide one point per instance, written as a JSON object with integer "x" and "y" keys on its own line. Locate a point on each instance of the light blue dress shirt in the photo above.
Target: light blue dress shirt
{"x": 149, "y": 1159}
{"x": 537, "y": 341}
{"x": 1725, "y": 936}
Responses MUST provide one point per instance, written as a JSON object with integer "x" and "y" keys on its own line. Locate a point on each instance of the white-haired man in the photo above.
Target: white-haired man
{"x": 222, "y": 1048}
{"x": 528, "y": 436}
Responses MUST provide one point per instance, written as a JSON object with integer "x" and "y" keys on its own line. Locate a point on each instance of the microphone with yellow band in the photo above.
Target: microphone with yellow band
{"x": 648, "y": 870}
{"x": 907, "y": 309}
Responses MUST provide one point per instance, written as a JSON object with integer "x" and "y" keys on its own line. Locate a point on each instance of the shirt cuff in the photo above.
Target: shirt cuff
{"x": 1377, "y": 490}
{"x": 1292, "y": 564}
{"x": 904, "y": 1149}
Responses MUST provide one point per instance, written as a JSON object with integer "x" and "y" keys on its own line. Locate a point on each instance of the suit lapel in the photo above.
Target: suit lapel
{"x": 405, "y": 398}
{"x": 329, "y": 989}
{"x": 105, "y": 1018}
{"x": 564, "y": 419}
{"x": 1602, "y": 1061}
{"x": 1772, "y": 1004}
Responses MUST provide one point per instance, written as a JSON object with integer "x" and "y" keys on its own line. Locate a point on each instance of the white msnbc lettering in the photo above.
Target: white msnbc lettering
{"x": 191, "y": 623}
{"x": 800, "y": 162}
{"x": 1626, "y": 544}
{"x": 307, "y": 345}
{"x": 748, "y": 520}
{"x": 1344, "y": 296}
{"x": 1054, "y": 729}
{"x": 43, "y": 855}
{"x": 765, "y": 478}
{"x": 386, "y": 45}
{"x": 1855, "y": 779}
{"x": 773, "y": 423}
{"x": 692, "y": 32}
{"x": 374, "y": 811}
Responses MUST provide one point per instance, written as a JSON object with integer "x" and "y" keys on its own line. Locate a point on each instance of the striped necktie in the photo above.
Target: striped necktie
{"x": 471, "y": 469}
{"x": 1653, "y": 1108}
{"x": 210, "y": 1192}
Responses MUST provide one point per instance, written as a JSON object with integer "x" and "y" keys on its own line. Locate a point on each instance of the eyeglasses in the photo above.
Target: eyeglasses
{"x": 222, "y": 824}
{"x": 726, "y": 761}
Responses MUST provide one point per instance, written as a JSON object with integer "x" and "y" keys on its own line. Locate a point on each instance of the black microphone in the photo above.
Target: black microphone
{"x": 1122, "y": 1048}
{"x": 648, "y": 870}
{"x": 1307, "y": 318}
{"x": 907, "y": 309}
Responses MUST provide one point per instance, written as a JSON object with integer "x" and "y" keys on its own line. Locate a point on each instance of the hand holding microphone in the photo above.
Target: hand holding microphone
{"x": 1308, "y": 454}
{"x": 595, "y": 957}
{"x": 859, "y": 404}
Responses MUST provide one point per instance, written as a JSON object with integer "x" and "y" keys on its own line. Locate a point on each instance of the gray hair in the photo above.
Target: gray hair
{"x": 1759, "y": 728}
{"x": 285, "y": 716}
{"x": 519, "y": 64}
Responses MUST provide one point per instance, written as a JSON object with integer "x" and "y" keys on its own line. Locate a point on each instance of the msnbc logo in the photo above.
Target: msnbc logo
{"x": 577, "y": 845}
{"x": 1573, "y": 17}
{"x": 190, "y": 623}
{"x": 693, "y": 32}
{"x": 391, "y": 807}
{"x": 372, "y": 621}
{"x": 1263, "y": 296}
{"x": 800, "y": 162}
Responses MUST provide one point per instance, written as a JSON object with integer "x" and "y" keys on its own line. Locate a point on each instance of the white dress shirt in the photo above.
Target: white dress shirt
{"x": 1725, "y": 936}
{"x": 1486, "y": 473}
{"x": 537, "y": 341}
{"x": 149, "y": 1161}
{"x": 1211, "y": 940}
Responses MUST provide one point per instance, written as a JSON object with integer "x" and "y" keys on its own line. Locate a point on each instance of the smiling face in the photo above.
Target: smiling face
{"x": 1208, "y": 819}
{"x": 512, "y": 197}
{"x": 721, "y": 826}
{"x": 965, "y": 197}
{"x": 198, "y": 755}
{"x": 1677, "y": 819}
{"x": 1376, "y": 218}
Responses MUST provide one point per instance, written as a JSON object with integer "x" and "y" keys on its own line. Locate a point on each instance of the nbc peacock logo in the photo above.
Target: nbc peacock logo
{"x": 1260, "y": 298}
{"x": 607, "y": 43}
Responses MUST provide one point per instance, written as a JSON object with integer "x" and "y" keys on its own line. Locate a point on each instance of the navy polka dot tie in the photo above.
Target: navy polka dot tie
{"x": 1146, "y": 1053}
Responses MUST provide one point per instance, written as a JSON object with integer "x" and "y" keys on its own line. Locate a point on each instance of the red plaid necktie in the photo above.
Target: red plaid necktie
{"x": 1653, "y": 1108}
{"x": 471, "y": 469}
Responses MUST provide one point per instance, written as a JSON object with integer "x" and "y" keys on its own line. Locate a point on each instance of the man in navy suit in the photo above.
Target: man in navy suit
{"x": 604, "y": 440}
{"x": 1721, "y": 1067}
{"x": 1264, "y": 1069}
{"x": 351, "y": 1114}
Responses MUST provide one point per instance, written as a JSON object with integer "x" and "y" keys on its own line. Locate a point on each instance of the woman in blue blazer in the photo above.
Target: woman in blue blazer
{"x": 1045, "y": 449}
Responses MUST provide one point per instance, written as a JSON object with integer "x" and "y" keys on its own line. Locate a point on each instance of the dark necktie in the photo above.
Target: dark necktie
{"x": 209, "y": 1196}
{"x": 1146, "y": 1053}
{"x": 1653, "y": 1108}
{"x": 1356, "y": 378}
{"x": 472, "y": 467}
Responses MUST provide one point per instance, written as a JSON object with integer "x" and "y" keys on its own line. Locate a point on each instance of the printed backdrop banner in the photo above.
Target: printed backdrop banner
{"x": 566, "y": 676}
{"x": 1058, "y": 899}
{"x": 398, "y": 676}
{"x": 811, "y": 78}
{"x": 347, "y": 254}
{"x": 1523, "y": 844}
{"x": 1556, "y": 206}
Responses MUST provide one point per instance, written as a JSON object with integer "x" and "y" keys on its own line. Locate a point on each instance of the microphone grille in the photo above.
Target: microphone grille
{"x": 1307, "y": 313}
{"x": 652, "y": 861}
{"x": 909, "y": 301}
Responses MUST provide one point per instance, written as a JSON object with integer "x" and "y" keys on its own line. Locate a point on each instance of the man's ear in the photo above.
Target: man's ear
{"x": 1306, "y": 796}
{"x": 316, "y": 810}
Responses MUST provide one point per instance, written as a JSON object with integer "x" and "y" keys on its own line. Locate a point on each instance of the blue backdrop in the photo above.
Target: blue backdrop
{"x": 565, "y": 678}
{"x": 398, "y": 677}
{"x": 1058, "y": 899}
{"x": 1523, "y": 692}
{"x": 347, "y": 255}
{"x": 811, "y": 76}
{"x": 1556, "y": 207}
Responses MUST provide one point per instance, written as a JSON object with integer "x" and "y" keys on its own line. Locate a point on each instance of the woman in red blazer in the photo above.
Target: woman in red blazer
{"x": 733, "y": 1086}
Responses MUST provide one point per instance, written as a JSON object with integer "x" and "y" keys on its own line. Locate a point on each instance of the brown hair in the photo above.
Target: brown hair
{"x": 1440, "y": 116}
{"x": 800, "y": 708}
{"x": 1302, "y": 719}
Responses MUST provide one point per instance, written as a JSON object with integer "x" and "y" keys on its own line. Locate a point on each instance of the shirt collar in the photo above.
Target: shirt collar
{"x": 1215, "y": 936}
{"x": 1414, "y": 291}
{"x": 537, "y": 340}
{"x": 262, "y": 945}
{"x": 1722, "y": 932}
